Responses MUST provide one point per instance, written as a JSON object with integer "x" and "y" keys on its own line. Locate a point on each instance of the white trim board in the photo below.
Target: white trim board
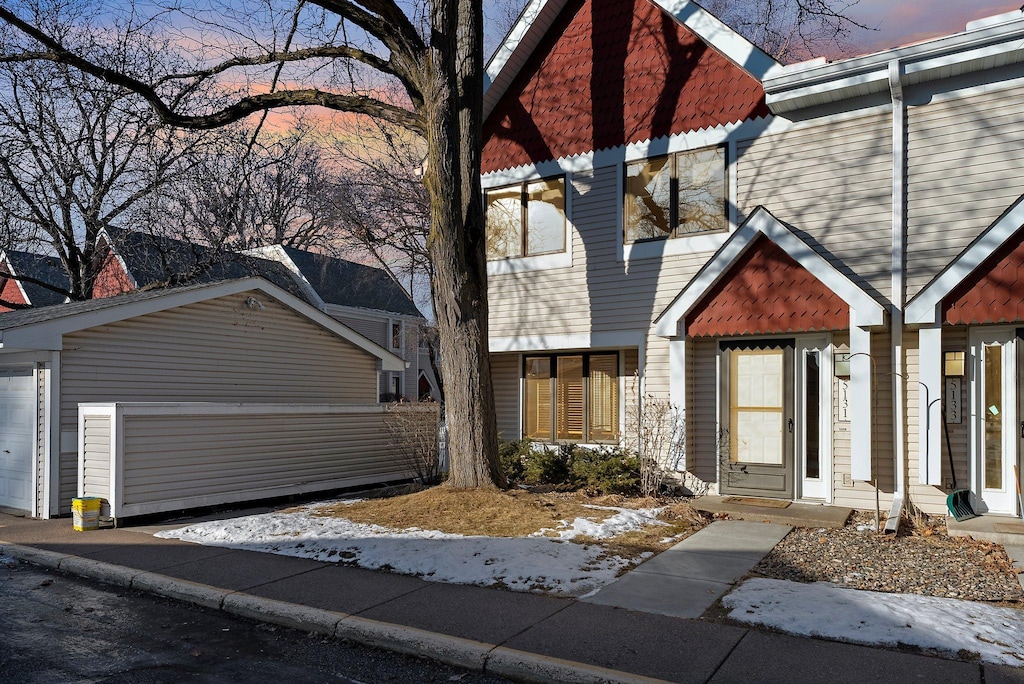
{"x": 864, "y": 310}
{"x": 923, "y": 309}
{"x": 47, "y": 335}
{"x": 598, "y": 340}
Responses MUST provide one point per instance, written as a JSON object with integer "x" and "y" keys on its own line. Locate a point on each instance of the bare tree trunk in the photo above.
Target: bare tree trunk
{"x": 457, "y": 241}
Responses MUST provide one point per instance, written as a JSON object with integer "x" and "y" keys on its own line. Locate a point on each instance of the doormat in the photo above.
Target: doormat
{"x": 1009, "y": 528}
{"x": 753, "y": 501}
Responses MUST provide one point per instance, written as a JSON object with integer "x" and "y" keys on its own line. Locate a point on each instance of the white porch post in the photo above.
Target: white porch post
{"x": 930, "y": 398}
{"x": 861, "y": 400}
{"x": 677, "y": 379}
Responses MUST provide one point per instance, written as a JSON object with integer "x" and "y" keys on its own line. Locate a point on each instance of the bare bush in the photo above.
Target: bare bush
{"x": 412, "y": 431}
{"x": 658, "y": 437}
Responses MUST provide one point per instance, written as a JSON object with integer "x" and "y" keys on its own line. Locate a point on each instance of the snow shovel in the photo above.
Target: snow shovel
{"x": 959, "y": 500}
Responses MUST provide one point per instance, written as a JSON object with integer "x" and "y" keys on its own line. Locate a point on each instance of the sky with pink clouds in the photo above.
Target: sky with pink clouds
{"x": 900, "y": 22}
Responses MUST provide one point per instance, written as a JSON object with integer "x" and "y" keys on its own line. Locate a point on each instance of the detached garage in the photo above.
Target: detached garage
{"x": 245, "y": 344}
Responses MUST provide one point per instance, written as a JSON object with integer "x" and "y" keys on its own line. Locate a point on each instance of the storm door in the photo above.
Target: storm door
{"x": 994, "y": 419}
{"x": 756, "y": 445}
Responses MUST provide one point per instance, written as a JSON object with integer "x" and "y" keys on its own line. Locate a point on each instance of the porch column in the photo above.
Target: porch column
{"x": 929, "y": 458}
{"x": 861, "y": 400}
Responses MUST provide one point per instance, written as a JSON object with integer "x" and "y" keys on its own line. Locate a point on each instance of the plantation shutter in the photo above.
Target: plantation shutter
{"x": 604, "y": 397}
{"x": 570, "y": 397}
{"x": 537, "y": 414}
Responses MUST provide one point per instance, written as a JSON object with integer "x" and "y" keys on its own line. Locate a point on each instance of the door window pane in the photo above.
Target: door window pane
{"x": 604, "y": 397}
{"x": 545, "y": 211}
{"x": 504, "y": 223}
{"x": 756, "y": 406}
{"x": 648, "y": 199}
{"x": 538, "y": 398}
{"x": 993, "y": 416}
{"x": 701, "y": 176}
{"x": 570, "y": 397}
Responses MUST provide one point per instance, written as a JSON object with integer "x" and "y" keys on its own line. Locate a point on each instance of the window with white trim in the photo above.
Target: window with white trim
{"x": 675, "y": 196}
{"x": 571, "y": 397}
{"x": 526, "y": 219}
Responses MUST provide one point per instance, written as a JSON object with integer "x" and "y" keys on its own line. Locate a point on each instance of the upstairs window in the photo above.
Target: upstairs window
{"x": 675, "y": 196}
{"x": 571, "y": 397}
{"x": 527, "y": 219}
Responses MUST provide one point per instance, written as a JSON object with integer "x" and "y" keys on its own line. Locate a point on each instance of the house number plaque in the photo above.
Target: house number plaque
{"x": 953, "y": 403}
{"x": 843, "y": 400}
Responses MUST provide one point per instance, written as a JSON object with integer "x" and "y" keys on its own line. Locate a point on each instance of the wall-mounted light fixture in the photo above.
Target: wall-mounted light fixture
{"x": 953, "y": 364}
{"x": 841, "y": 365}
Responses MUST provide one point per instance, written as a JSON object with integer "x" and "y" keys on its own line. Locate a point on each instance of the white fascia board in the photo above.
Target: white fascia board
{"x": 48, "y": 334}
{"x": 370, "y": 314}
{"x": 799, "y": 85}
{"x": 595, "y": 340}
{"x": 277, "y": 253}
{"x": 761, "y": 222}
{"x": 504, "y": 65}
{"x": 923, "y": 309}
{"x": 117, "y": 255}
{"x": 712, "y": 31}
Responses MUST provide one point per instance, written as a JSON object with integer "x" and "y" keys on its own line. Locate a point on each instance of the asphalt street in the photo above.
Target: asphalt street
{"x": 59, "y": 628}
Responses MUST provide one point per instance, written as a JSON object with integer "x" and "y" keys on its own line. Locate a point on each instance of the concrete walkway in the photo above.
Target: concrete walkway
{"x": 528, "y": 637}
{"x": 687, "y": 579}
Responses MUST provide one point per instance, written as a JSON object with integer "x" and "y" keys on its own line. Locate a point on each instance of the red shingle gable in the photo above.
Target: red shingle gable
{"x": 9, "y": 290}
{"x": 612, "y": 72}
{"x": 766, "y": 291}
{"x": 994, "y": 292}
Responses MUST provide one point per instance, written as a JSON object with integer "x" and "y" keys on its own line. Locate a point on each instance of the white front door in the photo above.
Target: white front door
{"x": 994, "y": 419}
{"x": 17, "y": 438}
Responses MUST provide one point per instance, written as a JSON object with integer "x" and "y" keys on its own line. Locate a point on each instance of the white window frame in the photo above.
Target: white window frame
{"x": 540, "y": 262}
{"x": 392, "y": 322}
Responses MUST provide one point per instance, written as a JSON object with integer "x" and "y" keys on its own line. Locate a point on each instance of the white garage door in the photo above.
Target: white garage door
{"x": 17, "y": 430}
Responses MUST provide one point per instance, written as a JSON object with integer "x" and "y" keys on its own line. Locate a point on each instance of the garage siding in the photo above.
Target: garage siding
{"x": 214, "y": 351}
{"x": 96, "y": 457}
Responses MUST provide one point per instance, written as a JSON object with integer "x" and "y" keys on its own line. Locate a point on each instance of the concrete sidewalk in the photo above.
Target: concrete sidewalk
{"x": 524, "y": 636}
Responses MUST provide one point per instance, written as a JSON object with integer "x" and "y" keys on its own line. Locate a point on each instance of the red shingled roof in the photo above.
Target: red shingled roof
{"x": 993, "y": 292}
{"x": 611, "y": 72}
{"x": 766, "y": 291}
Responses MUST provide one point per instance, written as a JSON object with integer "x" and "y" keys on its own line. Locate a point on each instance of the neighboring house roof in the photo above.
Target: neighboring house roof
{"x": 158, "y": 261}
{"x": 346, "y": 283}
{"x": 29, "y": 329}
{"x": 48, "y": 269}
{"x": 577, "y": 76}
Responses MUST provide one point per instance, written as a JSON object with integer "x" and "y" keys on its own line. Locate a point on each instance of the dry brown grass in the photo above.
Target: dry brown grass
{"x": 517, "y": 513}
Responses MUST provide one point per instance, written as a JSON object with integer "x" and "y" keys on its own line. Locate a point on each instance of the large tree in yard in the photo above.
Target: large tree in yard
{"x": 342, "y": 55}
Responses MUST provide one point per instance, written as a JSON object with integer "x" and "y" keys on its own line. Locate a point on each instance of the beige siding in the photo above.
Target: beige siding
{"x": 832, "y": 181}
{"x": 861, "y": 495}
{"x": 701, "y": 410}
{"x": 599, "y": 293}
{"x": 193, "y": 460}
{"x": 219, "y": 351}
{"x": 962, "y": 161}
{"x": 96, "y": 456}
{"x": 505, "y": 372}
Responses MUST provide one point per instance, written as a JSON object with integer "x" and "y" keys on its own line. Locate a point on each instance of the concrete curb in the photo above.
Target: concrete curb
{"x": 540, "y": 668}
{"x": 464, "y": 653}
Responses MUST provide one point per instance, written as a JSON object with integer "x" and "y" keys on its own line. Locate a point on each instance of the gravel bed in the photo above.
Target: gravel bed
{"x": 932, "y": 564}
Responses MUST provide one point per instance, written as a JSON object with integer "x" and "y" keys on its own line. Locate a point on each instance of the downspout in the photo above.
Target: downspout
{"x": 899, "y": 118}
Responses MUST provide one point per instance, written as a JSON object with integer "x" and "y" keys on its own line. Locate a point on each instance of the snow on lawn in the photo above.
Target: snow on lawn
{"x": 552, "y": 565}
{"x": 869, "y": 617}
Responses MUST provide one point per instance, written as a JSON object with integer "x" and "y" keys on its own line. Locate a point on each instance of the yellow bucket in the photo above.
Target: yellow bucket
{"x": 85, "y": 513}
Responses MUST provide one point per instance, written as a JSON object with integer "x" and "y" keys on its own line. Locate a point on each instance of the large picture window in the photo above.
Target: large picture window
{"x": 526, "y": 219}
{"x": 677, "y": 195}
{"x": 571, "y": 397}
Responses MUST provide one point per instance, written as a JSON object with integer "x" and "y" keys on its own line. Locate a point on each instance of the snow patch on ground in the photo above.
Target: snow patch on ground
{"x": 551, "y": 565}
{"x": 868, "y": 617}
{"x": 624, "y": 520}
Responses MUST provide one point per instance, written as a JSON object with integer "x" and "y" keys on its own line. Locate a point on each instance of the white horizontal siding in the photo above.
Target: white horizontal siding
{"x": 962, "y": 157}
{"x": 185, "y": 460}
{"x": 215, "y": 351}
{"x": 96, "y": 456}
